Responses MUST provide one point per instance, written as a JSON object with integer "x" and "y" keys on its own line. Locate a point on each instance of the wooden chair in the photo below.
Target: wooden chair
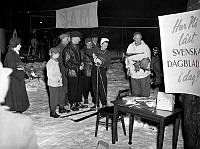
{"x": 107, "y": 114}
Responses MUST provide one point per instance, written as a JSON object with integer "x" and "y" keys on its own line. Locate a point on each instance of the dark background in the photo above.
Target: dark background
{"x": 118, "y": 19}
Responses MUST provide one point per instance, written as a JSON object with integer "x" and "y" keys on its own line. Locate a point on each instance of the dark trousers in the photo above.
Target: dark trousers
{"x": 56, "y": 97}
{"x": 74, "y": 89}
{"x": 65, "y": 88}
{"x": 102, "y": 85}
{"x": 141, "y": 87}
{"x": 87, "y": 87}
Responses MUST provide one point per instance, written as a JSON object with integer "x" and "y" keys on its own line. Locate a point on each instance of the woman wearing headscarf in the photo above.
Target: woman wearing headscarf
{"x": 17, "y": 98}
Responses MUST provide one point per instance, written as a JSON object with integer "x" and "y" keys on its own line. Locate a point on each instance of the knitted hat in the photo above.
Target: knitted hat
{"x": 88, "y": 40}
{"x": 104, "y": 40}
{"x": 76, "y": 34}
{"x": 62, "y": 36}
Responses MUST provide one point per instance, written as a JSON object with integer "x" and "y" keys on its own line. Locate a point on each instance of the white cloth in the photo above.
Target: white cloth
{"x": 53, "y": 73}
{"x": 129, "y": 61}
{"x": 81, "y": 16}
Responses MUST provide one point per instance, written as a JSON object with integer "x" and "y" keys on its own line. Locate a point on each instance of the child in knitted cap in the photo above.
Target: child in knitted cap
{"x": 54, "y": 81}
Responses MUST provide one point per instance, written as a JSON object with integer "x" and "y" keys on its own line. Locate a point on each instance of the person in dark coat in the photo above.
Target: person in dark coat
{"x": 157, "y": 70}
{"x": 17, "y": 98}
{"x": 72, "y": 61}
{"x": 87, "y": 71}
{"x": 65, "y": 39}
{"x": 101, "y": 63}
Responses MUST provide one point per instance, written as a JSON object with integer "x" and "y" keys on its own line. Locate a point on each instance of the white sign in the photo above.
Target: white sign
{"x": 180, "y": 44}
{"x": 82, "y": 16}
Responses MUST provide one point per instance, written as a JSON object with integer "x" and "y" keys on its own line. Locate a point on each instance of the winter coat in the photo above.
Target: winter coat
{"x": 156, "y": 66}
{"x": 72, "y": 59}
{"x": 63, "y": 69}
{"x": 17, "y": 98}
{"x": 87, "y": 61}
{"x": 53, "y": 73}
{"x": 134, "y": 59}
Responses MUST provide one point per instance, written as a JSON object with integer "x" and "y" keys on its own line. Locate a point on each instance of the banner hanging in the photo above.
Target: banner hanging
{"x": 180, "y": 44}
{"x": 82, "y": 16}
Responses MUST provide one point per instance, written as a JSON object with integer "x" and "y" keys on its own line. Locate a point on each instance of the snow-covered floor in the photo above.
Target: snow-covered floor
{"x": 62, "y": 133}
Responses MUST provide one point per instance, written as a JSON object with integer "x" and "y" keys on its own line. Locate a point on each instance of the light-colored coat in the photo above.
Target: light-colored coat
{"x": 132, "y": 48}
{"x": 53, "y": 73}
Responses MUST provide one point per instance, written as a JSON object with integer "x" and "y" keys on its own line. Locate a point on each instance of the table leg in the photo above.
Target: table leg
{"x": 131, "y": 122}
{"x": 161, "y": 130}
{"x": 175, "y": 133}
{"x": 114, "y": 131}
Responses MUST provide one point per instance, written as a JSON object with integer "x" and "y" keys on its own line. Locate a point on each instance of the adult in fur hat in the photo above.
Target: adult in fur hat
{"x": 16, "y": 129}
{"x": 17, "y": 98}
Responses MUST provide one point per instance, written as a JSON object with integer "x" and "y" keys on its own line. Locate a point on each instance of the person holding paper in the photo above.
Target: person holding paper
{"x": 138, "y": 66}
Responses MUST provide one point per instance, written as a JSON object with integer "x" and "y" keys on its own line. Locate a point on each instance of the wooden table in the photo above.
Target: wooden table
{"x": 159, "y": 117}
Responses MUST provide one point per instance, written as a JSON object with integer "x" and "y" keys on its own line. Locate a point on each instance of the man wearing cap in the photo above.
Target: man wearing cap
{"x": 101, "y": 58}
{"x": 87, "y": 62}
{"x": 140, "y": 78}
{"x": 72, "y": 61}
{"x": 65, "y": 39}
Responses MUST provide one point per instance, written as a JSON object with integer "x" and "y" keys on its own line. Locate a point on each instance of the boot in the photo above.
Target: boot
{"x": 74, "y": 107}
{"x": 54, "y": 114}
{"x": 86, "y": 101}
{"x": 93, "y": 107}
{"x": 63, "y": 110}
{"x": 82, "y": 106}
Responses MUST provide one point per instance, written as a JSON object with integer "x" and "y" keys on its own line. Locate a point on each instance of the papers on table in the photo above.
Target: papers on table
{"x": 140, "y": 101}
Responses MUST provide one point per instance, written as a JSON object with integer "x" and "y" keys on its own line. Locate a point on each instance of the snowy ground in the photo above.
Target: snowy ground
{"x": 66, "y": 134}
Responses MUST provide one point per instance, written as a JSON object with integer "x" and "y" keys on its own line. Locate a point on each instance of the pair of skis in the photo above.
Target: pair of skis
{"x": 81, "y": 112}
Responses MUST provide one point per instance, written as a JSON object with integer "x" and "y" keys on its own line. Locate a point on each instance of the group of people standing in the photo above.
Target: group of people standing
{"x": 73, "y": 73}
